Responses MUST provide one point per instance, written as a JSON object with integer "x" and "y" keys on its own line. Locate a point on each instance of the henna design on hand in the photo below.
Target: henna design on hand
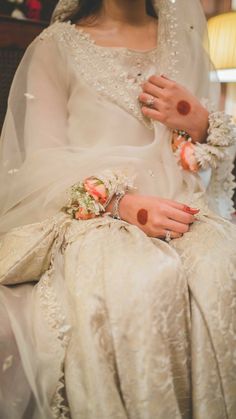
{"x": 183, "y": 107}
{"x": 142, "y": 216}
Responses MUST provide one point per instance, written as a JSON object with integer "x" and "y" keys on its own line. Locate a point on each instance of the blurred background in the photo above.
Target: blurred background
{"x": 22, "y": 20}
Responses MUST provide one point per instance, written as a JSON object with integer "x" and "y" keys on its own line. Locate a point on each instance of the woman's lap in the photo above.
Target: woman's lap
{"x": 143, "y": 286}
{"x": 131, "y": 304}
{"x": 209, "y": 259}
{"x": 133, "y": 319}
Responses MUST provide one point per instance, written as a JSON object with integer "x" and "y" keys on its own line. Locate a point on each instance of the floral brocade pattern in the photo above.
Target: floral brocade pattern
{"x": 133, "y": 323}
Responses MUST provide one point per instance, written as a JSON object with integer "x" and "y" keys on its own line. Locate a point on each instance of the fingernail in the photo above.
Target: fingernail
{"x": 186, "y": 208}
{"x": 194, "y": 211}
{"x": 191, "y": 210}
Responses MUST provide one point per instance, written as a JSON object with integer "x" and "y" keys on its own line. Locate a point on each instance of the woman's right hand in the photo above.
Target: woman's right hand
{"x": 156, "y": 216}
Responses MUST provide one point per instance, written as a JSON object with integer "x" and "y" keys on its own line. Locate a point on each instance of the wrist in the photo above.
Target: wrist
{"x": 117, "y": 206}
{"x": 124, "y": 206}
{"x": 199, "y": 134}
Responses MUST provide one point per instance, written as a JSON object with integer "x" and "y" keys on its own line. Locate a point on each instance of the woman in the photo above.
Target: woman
{"x": 121, "y": 323}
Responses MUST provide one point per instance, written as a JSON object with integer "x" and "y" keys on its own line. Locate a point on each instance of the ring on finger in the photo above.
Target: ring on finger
{"x": 168, "y": 237}
{"x": 150, "y": 102}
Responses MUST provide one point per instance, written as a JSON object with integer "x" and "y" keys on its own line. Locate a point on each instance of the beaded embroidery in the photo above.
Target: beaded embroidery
{"x": 167, "y": 30}
{"x": 102, "y": 67}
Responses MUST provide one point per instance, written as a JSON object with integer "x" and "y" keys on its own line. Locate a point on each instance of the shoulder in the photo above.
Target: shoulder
{"x": 62, "y": 37}
{"x": 58, "y": 31}
{"x": 67, "y": 36}
{"x": 47, "y": 50}
{"x": 52, "y": 41}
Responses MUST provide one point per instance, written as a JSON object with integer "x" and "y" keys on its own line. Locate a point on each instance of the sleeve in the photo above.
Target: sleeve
{"x": 218, "y": 154}
{"x": 215, "y": 156}
{"x": 46, "y": 98}
{"x": 37, "y": 162}
{"x": 35, "y": 124}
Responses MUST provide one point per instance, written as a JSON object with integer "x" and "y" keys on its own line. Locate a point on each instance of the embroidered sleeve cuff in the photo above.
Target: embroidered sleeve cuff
{"x": 196, "y": 156}
{"x": 221, "y": 131}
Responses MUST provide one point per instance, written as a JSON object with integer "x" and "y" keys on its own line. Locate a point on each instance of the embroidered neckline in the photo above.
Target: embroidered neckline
{"x": 114, "y": 73}
{"x": 90, "y": 39}
{"x": 101, "y": 67}
{"x": 115, "y": 48}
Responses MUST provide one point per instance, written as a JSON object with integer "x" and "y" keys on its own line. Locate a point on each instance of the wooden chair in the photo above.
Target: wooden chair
{"x": 15, "y": 36}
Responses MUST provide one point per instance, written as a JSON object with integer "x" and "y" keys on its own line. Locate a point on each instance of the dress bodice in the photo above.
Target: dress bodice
{"x": 104, "y": 111}
{"x": 98, "y": 77}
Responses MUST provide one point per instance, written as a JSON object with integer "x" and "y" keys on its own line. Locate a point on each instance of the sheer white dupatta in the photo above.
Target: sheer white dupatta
{"x": 37, "y": 163}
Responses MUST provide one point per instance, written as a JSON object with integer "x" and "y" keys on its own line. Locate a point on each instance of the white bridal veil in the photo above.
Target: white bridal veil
{"x": 37, "y": 163}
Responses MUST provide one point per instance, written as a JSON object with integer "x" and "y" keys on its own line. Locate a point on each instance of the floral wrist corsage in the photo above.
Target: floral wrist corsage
{"x": 89, "y": 198}
{"x": 184, "y": 151}
{"x": 195, "y": 156}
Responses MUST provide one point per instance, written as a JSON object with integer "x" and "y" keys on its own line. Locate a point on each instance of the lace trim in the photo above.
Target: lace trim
{"x": 221, "y": 189}
{"x": 63, "y": 9}
{"x": 57, "y": 321}
{"x": 218, "y": 153}
{"x": 168, "y": 44}
{"x": 221, "y": 130}
{"x": 59, "y": 407}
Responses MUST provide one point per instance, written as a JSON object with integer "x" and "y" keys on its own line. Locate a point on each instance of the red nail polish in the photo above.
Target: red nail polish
{"x": 194, "y": 211}
{"x": 191, "y": 210}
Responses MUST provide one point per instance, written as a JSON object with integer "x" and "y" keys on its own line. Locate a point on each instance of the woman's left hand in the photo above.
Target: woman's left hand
{"x": 173, "y": 105}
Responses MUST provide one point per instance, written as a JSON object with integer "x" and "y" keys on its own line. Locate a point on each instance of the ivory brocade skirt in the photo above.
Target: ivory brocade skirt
{"x": 118, "y": 325}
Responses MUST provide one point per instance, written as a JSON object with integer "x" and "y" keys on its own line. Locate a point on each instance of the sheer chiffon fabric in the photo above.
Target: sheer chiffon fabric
{"x": 118, "y": 325}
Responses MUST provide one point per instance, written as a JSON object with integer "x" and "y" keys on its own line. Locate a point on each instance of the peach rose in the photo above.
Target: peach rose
{"x": 82, "y": 214}
{"x": 96, "y": 189}
{"x": 177, "y": 140}
{"x": 187, "y": 157}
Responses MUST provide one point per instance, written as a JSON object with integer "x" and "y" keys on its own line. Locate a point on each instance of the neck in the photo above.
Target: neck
{"x": 131, "y": 12}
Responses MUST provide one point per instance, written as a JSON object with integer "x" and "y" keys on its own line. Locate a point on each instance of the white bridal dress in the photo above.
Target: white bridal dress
{"x": 117, "y": 325}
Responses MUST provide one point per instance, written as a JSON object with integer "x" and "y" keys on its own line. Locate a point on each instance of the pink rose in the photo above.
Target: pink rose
{"x": 96, "y": 189}
{"x": 187, "y": 157}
